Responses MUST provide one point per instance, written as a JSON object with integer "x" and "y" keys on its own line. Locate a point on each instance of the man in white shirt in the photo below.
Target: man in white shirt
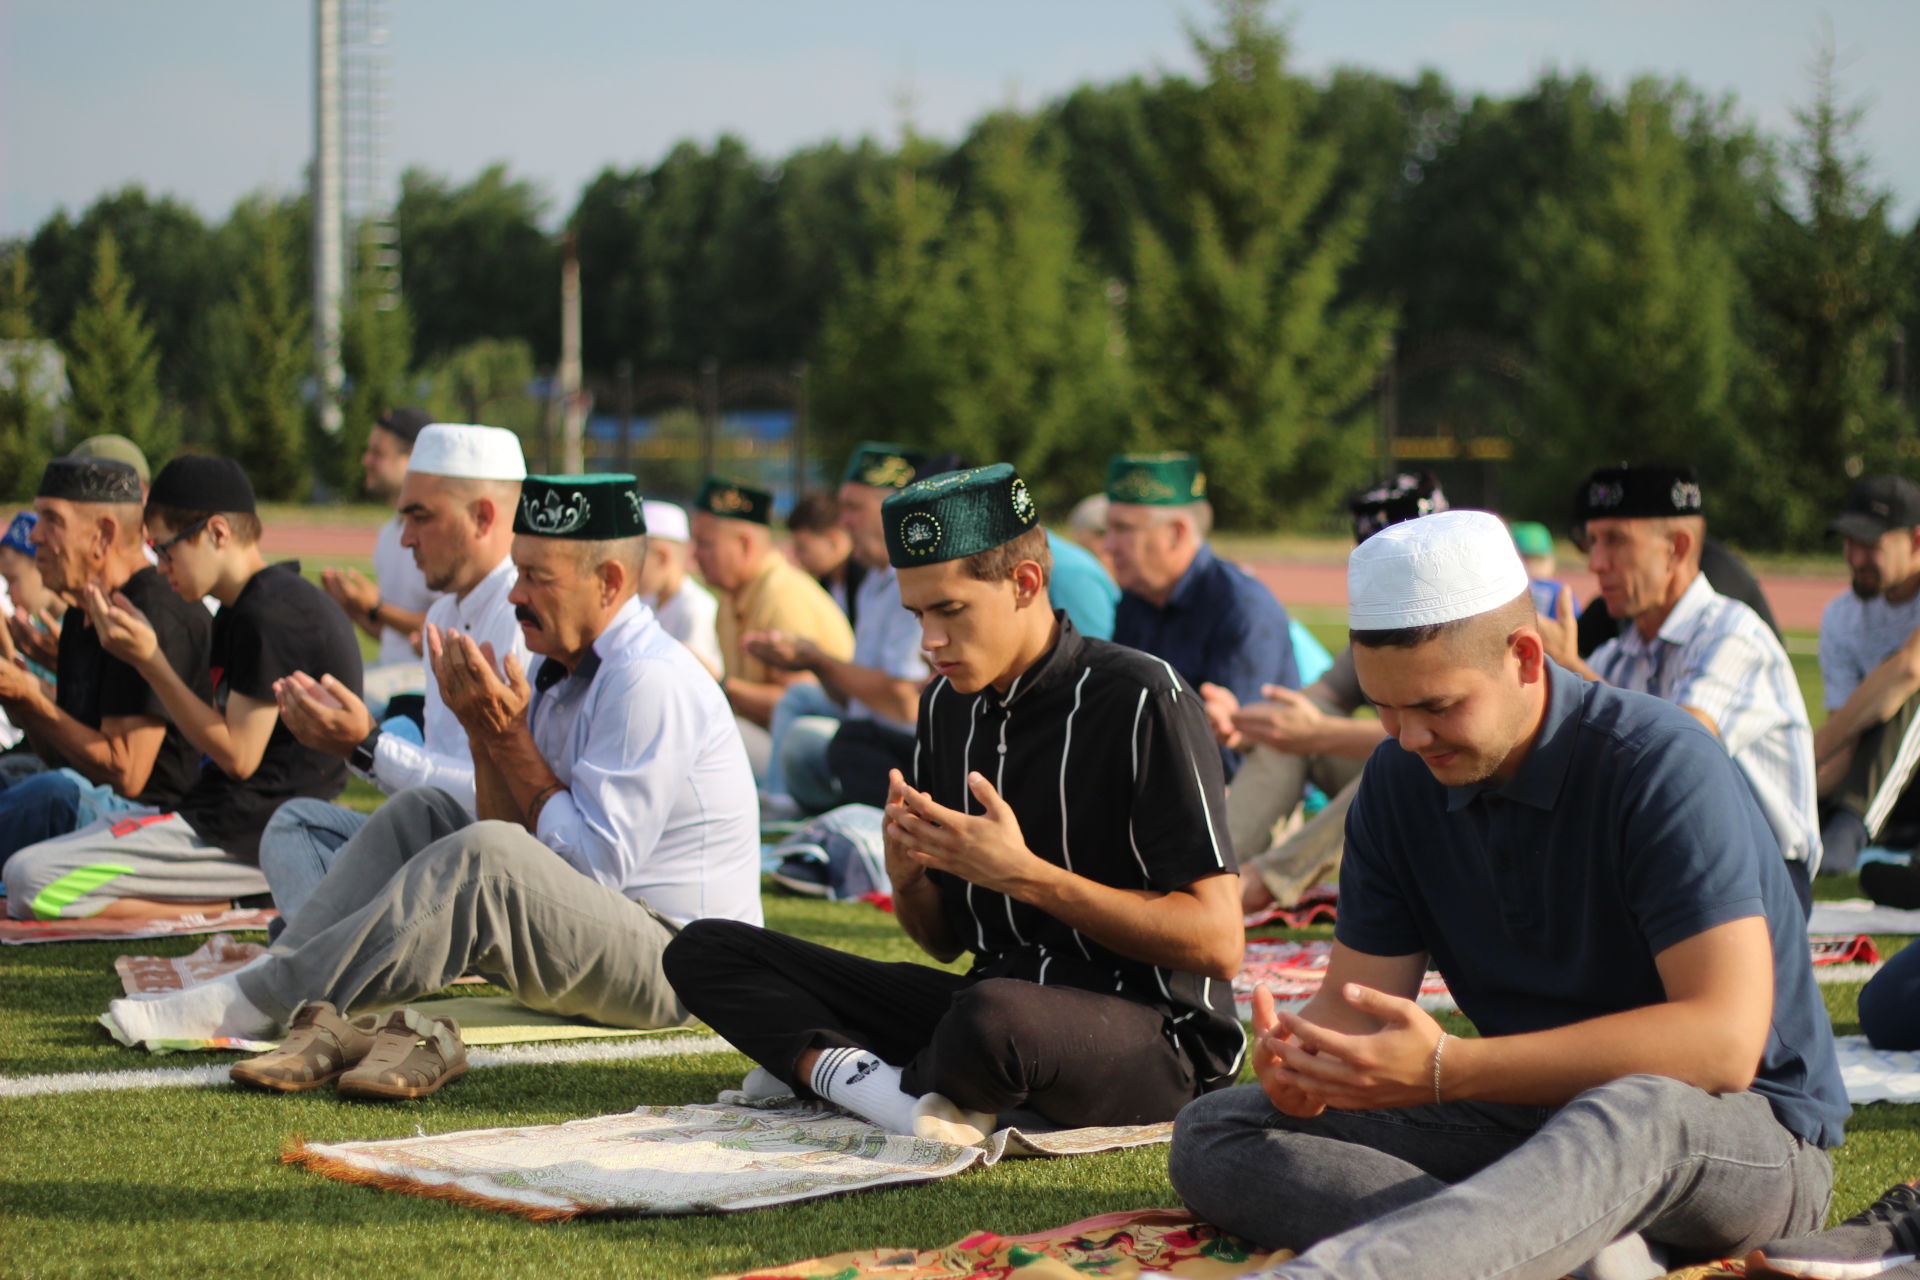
{"x": 456, "y": 510}
{"x": 393, "y": 607}
{"x": 686, "y": 609}
{"x": 614, "y": 805}
{"x": 1870, "y": 666}
{"x": 834, "y": 742}
{"x": 1689, "y": 645}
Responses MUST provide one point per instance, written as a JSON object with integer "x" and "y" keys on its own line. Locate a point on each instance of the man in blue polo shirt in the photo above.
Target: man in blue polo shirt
{"x": 1654, "y": 1072}
{"x": 1209, "y": 620}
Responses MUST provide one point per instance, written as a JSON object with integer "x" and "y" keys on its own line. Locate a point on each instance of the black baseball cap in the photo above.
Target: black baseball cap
{"x": 1876, "y": 505}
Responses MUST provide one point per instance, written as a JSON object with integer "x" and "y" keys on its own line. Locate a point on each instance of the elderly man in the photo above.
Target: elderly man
{"x": 1312, "y": 735}
{"x": 456, "y": 510}
{"x": 102, "y": 729}
{"x": 687, "y": 610}
{"x": 760, "y": 590}
{"x": 393, "y": 608}
{"x": 1102, "y": 916}
{"x": 614, "y": 806}
{"x": 834, "y": 741}
{"x": 1210, "y": 620}
{"x": 1710, "y": 655}
{"x": 1654, "y": 1072}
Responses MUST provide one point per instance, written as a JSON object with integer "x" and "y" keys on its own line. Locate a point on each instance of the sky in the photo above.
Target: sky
{"x": 210, "y": 100}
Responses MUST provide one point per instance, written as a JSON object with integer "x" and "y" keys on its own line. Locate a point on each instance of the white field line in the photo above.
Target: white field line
{"x": 503, "y": 1056}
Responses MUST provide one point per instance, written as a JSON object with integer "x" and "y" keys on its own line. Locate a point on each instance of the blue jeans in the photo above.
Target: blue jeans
{"x": 1482, "y": 1190}
{"x": 799, "y": 708}
{"x": 54, "y": 803}
{"x": 300, "y": 842}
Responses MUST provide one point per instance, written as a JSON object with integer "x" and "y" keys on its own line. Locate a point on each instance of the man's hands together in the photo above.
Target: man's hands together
{"x": 1305, "y": 1068}
{"x": 486, "y": 705}
{"x": 986, "y": 849}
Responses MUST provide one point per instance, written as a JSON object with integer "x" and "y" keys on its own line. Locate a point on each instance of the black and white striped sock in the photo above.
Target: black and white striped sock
{"x": 863, "y": 1084}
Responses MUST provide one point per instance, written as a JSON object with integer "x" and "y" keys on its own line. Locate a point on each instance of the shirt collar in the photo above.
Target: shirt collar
{"x": 486, "y": 593}
{"x": 1053, "y": 666}
{"x": 1688, "y": 611}
{"x": 620, "y": 635}
{"x": 1189, "y": 585}
{"x": 1537, "y": 782}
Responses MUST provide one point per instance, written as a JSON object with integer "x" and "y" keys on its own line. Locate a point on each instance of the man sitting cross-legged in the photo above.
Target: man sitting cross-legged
{"x": 1591, "y": 874}
{"x": 456, "y": 507}
{"x": 614, "y": 802}
{"x": 1064, "y": 823}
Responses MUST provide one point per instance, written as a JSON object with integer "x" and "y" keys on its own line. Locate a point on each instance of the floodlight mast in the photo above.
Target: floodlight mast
{"x": 329, "y": 260}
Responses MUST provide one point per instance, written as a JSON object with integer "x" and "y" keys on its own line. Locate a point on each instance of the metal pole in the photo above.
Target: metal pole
{"x": 573, "y": 404}
{"x": 709, "y": 412}
{"x": 329, "y": 259}
{"x": 799, "y": 428}
{"x": 623, "y": 375}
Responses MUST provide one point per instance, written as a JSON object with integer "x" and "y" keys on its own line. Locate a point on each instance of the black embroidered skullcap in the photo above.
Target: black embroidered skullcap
{"x": 732, "y": 501}
{"x": 1637, "y": 493}
{"x": 597, "y": 508}
{"x": 959, "y": 514}
{"x": 118, "y": 448}
{"x": 405, "y": 422}
{"x": 1156, "y": 479}
{"x": 89, "y": 480}
{"x": 198, "y": 482}
{"x": 1407, "y": 496}
{"x": 884, "y": 466}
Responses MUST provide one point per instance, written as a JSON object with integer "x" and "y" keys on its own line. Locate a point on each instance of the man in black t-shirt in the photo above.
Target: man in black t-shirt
{"x": 102, "y": 730}
{"x": 1065, "y": 823}
{"x": 272, "y": 622}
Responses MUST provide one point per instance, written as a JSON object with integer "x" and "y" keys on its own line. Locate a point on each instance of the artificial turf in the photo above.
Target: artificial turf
{"x": 186, "y": 1180}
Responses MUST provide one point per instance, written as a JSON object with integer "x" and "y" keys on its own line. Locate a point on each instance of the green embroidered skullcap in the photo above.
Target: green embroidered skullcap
{"x": 1530, "y": 538}
{"x": 1156, "y": 479}
{"x": 884, "y": 466}
{"x": 731, "y": 501}
{"x": 961, "y": 513}
{"x": 597, "y": 508}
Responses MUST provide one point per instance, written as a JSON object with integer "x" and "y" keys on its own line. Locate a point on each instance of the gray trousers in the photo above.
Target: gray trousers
{"x": 421, "y": 894}
{"x": 1268, "y": 788}
{"x": 1480, "y": 1191}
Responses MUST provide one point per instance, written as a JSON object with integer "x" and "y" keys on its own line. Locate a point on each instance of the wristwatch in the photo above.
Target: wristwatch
{"x": 361, "y": 759}
{"x": 373, "y": 614}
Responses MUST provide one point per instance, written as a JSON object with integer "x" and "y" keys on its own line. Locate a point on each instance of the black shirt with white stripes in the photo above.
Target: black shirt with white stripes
{"x": 1105, "y": 757}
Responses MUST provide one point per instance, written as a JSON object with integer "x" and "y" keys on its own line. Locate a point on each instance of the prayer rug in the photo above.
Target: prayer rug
{"x": 94, "y": 929}
{"x": 1877, "y": 1075}
{"x": 709, "y": 1158}
{"x": 1161, "y": 1242}
{"x": 1857, "y": 915}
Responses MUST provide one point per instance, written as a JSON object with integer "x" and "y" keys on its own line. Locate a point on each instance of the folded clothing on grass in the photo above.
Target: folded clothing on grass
{"x": 1857, "y": 915}
{"x": 708, "y": 1158}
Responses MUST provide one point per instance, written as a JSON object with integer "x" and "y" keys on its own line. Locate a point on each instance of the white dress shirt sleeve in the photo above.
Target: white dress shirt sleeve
{"x": 399, "y": 764}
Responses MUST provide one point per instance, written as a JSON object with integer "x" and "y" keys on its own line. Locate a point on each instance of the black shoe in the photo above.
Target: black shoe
{"x": 1892, "y": 884}
{"x": 1883, "y": 1241}
{"x": 804, "y": 875}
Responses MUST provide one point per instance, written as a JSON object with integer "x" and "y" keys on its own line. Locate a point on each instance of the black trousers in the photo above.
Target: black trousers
{"x": 859, "y": 755}
{"x": 990, "y": 1044}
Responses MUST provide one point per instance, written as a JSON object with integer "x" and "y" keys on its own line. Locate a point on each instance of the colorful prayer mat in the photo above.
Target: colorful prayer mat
{"x": 94, "y": 929}
{"x": 1161, "y": 1242}
{"x": 710, "y": 1158}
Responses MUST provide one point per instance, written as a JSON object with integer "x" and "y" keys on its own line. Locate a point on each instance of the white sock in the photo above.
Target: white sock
{"x": 864, "y": 1085}
{"x": 216, "y": 1008}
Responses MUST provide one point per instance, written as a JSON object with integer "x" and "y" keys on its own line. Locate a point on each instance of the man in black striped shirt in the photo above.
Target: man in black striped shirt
{"x": 1065, "y": 823}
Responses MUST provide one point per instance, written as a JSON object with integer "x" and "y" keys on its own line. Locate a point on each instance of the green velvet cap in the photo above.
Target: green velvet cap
{"x": 1530, "y": 538}
{"x": 730, "y": 501}
{"x": 959, "y": 514}
{"x": 1156, "y": 479}
{"x": 884, "y": 466}
{"x": 597, "y": 508}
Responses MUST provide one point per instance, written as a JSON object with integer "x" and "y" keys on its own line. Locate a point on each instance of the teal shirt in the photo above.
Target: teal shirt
{"x": 1080, "y": 585}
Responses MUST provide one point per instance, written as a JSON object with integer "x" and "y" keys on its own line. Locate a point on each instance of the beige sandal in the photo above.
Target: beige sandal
{"x": 320, "y": 1046}
{"x": 412, "y": 1056}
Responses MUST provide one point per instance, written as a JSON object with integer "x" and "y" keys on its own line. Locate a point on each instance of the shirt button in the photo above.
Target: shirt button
{"x": 1002, "y": 748}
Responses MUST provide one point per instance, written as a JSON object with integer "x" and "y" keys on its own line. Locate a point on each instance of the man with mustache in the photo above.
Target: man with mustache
{"x": 614, "y": 806}
{"x": 1654, "y": 1070}
{"x": 455, "y": 508}
{"x": 1870, "y": 667}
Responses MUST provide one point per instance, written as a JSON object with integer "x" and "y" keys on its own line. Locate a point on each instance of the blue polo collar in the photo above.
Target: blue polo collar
{"x": 1538, "y": 781}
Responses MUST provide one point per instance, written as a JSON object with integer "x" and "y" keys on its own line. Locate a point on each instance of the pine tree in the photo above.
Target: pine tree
{"x": 262, "y": 359}
{"x": 26, "y": 404}
{"x": 1241, "y": 349}
{"x": 375, "y": 350}
{"x": 112, "y": 365}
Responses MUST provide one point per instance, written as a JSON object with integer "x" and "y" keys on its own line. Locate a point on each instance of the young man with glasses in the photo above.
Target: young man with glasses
{"x": 202, "y": 851}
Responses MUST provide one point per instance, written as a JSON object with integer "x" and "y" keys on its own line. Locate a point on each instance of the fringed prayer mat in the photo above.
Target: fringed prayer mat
{"x": 709, "y": 1158}
{"x": 93, "y": 929}
{"x": 1877, "y": 1075}
{"x": 155, "y": 975}
{"x": 1160, "y": 1242}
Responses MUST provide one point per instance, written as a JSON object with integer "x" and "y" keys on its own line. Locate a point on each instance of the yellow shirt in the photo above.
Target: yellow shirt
{"x": 779, "y": 597}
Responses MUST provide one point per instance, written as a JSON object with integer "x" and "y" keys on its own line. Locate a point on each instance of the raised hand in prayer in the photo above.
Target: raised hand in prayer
{"x": 1391, "y": 1066}
{"x": 1220, "y": 703}
{"x": 123, "y": 630}
{"x": 323, "y": 714}
{"x": 782, "y": 649}
{"x": 1287, "y": 721}
{"x": 40, "y": 643}
{"x": 1560, "y": 634}
{"x": 486, "y": 705}
{"x": 17, "y": 684}
{"x": 350, "y": 590}
{"x": 986, "y": 849}
{"x": 1280, "y": 1084}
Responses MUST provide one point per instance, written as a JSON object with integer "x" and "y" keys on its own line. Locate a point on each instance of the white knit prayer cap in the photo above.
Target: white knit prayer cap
{"x": 666, "y": 520}
{"x": 464, "y": 452}
{"x": 1438, "y": 568}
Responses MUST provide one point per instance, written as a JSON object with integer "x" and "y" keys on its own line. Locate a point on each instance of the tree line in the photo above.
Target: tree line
{"x": 1286, "y": 275}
